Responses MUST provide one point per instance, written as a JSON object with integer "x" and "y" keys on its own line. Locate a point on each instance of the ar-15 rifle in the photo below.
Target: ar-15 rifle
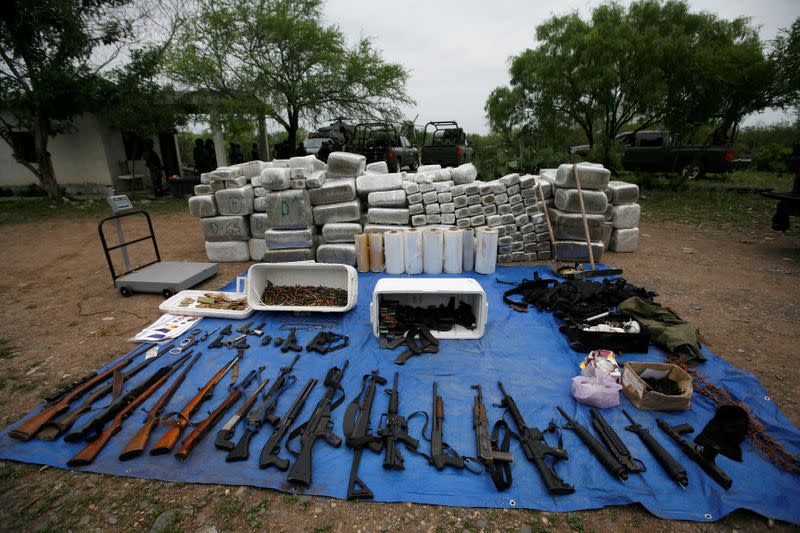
{"x": 615, "y": 444}
{"x": 536, "y": 448}
{"x": 269, "y": 454}
{"x": 605, "y": 457}
{"x": 441, "y": 453}
{"x": 137, "y": 444}
{"x": 665, "y": 459}
{"x": 395, "y": 430}
{"x": 168, "y": 440}
{"x": 203, "y": 427}
{"x": 357, "y": 435}
{"x": 91, "y": 427}
{"x": 31, "y": 426}
{"x": 319, "y": 425}
{"x": 702, "y": 456}
{"x": 228, "y": 429}
{"x": 264, "y": 411}
{"x": 494, "y": 455}
{"x": 132, "y": 400}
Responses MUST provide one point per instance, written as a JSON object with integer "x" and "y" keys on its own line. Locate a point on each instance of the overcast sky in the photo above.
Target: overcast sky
{"x": 457, "y": 51}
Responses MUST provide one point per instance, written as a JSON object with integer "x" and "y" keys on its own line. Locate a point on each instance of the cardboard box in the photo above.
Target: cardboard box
{"x": 643, "y": 397}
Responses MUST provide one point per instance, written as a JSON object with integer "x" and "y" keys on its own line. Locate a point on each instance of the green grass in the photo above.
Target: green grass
{"x": 716, "y": 201}
{"x": 575, "y": 522}
{"x": 6, "y": 351}
{"x": 18, "y": 210}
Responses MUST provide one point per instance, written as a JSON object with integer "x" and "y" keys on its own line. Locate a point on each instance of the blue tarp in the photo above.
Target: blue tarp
{"x": 535, "y": 363}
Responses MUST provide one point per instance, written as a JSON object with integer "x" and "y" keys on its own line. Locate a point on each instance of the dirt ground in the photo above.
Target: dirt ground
{"x": 62, "y": 318}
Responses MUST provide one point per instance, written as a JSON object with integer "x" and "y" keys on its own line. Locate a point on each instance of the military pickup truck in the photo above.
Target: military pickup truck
{"x": 448, "y": 145}
{"x": 379, "y": 141}
{"x": 655, "y": 151}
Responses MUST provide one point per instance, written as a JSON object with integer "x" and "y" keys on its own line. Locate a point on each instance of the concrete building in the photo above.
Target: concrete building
{"x": 90, "y": 158}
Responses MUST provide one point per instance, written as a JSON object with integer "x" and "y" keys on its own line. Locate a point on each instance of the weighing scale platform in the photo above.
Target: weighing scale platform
{"x": 166, "y": 277}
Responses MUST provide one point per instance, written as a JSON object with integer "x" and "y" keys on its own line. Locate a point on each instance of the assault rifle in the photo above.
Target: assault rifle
{"x": 228, "y": 429}
{"x": 269, "y": 454}
{"x": 204, "y": 426}
{"x": 665, "y": 459}
{"x": 181, "y": 419}
{"x": 615, "y": 444}
{"x": 132, "y": 400}
{"x": 31, "y": 426}
{"x": 394, "y": 431}
{"x": 441, "y": 453}
{"x": 357, "y": 435}
{"x": 136, "y": 445}
{"x": 494, "y": 456}
{"x": 536, "y": 448}
{"x": 264, "y": 411}
{"x": 319, "y": 425}
{"x": 702, "y": 456}
{"x": 605, "y": 457}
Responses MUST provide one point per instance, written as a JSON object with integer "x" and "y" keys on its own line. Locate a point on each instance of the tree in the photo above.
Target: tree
{"x": 652, "y": 63}
{"x": 46, "y": 78}
{"x": 277, "y": 58}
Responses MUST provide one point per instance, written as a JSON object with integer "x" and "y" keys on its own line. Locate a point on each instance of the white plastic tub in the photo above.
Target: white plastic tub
{"x": 422, "y": 292}
{"x": 172, "y": 305}
{"x": 301, "y": 273}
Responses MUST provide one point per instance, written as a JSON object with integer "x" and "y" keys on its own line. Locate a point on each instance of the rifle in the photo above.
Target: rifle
{"x": 357, "y": 436}
{"x": 319, "y": 425}
{"x": 204, "y": 426}
{"x": 673, "y": 467}
{"x": 703, "y": 457}
{"x": 228, "y": 429}
{"x": 605, "y": 457}
{"x": 60, "y": 393}
{"x": 441, "y": 453}
{"x": 536, "y": 448}
{"x": 269, "y": 454}
{"x": 495, "y": 457}
{"x": 264, "y": 411}
{"x": 56, "y": 427}
{"x": 137, "y": 444}
{"x": 168, "y": 440}
{"x": 30, "y": 427}
{"x": 393, "y": 431}
{"x": 134, "y": 399}
{"x": 615, "y": 444}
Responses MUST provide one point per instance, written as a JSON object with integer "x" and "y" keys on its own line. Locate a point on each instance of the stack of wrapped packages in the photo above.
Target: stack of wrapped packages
{"x": 303, "y": 209}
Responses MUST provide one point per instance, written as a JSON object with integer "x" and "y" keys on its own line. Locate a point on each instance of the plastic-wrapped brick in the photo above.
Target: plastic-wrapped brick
{"x": 472, "y": 188}
{"x": 510, "y": 180}
{"x": 258, "y": 225}
{"x": 342, "y": 254}
{"x": 489, "y": 210}
{"x": 380, "y": 215}
{"x": 418, "y": 220}
{"x": 228, "y": 251}
{"x": 416, "y": 209}
{"x": 577, "y": 251}
{"x": 569, "y": 226}
{"x": 475, "y": 210}
{"x": 226, "y": 228}
{"x": 341, "y": 212}
{"x": 624, "y": 240}
{"x": 462, "y": 174}
{"x": 289, "y": 255}
{"x": 622, "y": 192}
{"x": 346, "y": 165}
{"x": 260, "y": 204}
{"x": 289, "y": 209}
{"x": 334, "y": 192}
{"x": 626, "y": 216}
{"x": 432, "y": 209}
{"x": 203, "y": 206}
{"x": 276, "y": 179}
{"x": 448, "y": 218}
{"x": 593, "y": 201}
{"x": 460, "y": 201}
{"x": 235, "y": 201}
{"x": 316, "y": 179}
{"x": 430, "y": 197}
{"x": 592, "y": 177}
{"x": 395, "y": 198}
{"x": 445, "y": 197}
{"x": 378, "y": 182}
{"x": 257, "y": 249}
{"x": 203, "y": 188}
{"x": 277, "y": 239}
{"x": 378, "y": 167}
{"x": 410, "y": 188}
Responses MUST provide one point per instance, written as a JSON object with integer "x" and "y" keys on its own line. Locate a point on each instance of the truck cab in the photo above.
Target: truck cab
{"x": 379, "y": 141}
{"x": 448, "y": 145}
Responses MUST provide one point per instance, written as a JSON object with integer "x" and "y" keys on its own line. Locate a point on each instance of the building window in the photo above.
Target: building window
{"x": 24, "y": 146}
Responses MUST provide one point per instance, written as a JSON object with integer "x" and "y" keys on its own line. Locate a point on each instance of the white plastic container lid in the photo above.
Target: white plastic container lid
{"x": 422, "y": 292}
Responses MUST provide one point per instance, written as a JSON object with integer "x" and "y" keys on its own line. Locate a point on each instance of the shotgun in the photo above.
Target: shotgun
{"x": 181, "y": 419}
{"x": 134, "y": 400}
{"x": 138, "y": 442}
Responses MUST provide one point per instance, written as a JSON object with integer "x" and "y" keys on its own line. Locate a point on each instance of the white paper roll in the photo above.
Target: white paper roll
{"x": 453, "y": 250}
{"x": 433, "y": 245}
{"x": 485, "y": 250}
{"x": 468, "y": 261}
{"x": 376, "y": 252}
{"x": 413, "y": 251}
{"x": 393, "y": 249}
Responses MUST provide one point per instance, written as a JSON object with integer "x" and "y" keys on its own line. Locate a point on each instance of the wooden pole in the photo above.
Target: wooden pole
{"x": 547, "y": 217}
{"x": 583, "y": 214}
